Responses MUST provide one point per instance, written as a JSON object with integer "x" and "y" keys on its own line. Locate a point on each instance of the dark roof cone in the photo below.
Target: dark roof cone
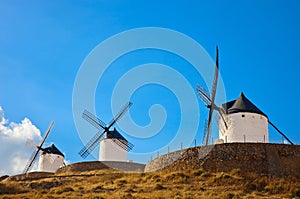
{"x": 242, "y": 104}
{"x": 52, "y": 150}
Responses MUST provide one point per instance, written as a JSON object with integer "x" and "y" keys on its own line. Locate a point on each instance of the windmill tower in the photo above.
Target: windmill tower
{"x": 239, "y": 120}
{"x": 51, "y": 158}
{"x": 247, "y": 122}
{"x": 113, "y": 146}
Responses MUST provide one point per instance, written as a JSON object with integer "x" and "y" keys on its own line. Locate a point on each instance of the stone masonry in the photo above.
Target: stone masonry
{"x": 266, "y": 159}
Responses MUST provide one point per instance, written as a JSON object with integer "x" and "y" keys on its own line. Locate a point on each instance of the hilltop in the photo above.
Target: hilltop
{"x": 252, "y": 170}
{"x": 110, "y": 183}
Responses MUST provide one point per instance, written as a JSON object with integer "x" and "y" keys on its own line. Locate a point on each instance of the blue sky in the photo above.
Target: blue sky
{"x": 43, "y": 44}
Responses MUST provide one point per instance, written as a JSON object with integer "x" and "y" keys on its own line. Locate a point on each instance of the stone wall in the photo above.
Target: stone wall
{"x": 29, "y": 176}
{"x": 261, "y": 158}
{"x": 164, "y": 160}
{"x": 125, "y": 166}
{"x": 82, "y": 166}
{"x": 99, "y": 165}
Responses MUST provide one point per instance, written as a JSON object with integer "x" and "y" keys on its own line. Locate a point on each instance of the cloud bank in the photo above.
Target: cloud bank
{"x": 14, "y": 153}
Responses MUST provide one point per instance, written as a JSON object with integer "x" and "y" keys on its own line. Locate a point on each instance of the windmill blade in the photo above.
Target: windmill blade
{"x": 213, "y": 96}
{"x": 29, "y": 142}
{"x": 211, "y": 110}
{"x": 205, "y": 132}
{"x": 127, "y": 146}
{"x": 215, "y": 83}
{"x": 119, "y": 115}
{"x": 32, "y": 160}
{"x": 223, "y": 119}
{"x": 91, "y": 145}
{"x": 47, "y": 133}
{"x": 204, "y": 95}
{"x": 120, "y": 144}
{"x": 120, "y": 140}
{"x": 280, "y": 132}
{"x": 96, "y": 122}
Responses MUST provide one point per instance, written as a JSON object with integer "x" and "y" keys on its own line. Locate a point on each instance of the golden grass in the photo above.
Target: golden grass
{"x": 163, "y": 184}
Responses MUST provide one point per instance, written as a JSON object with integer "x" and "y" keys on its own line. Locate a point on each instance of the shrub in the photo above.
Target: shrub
{"x": 223, "y": 175}
{"x": 297, "y": 192}
{"x": 127, "y": 196}
{"x": 235, "y": 171}
{"x": 11, "y": 189}
{"x": 177, "y": 196}
{"x": 66, "y": 189}
{"x": 97, "y": 189}
{"x": 152, "y": 176}
{"x": 177, "y": 177}
{"x": 227, "y": 195}
{"x": 249, "y": 187}
{"x": 206, "y": 174}
{"x": 121, "y": 182}
{"x": 44, "y": 184}
{"x": 274, "y": 189}
{"x": 198, "y": 172}
{"x": 97, "y": 197}
{"x": 159, "y": 186}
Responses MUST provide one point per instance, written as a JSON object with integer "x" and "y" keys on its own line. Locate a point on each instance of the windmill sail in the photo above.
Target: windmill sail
{"x": 94, "y": 141}
{"x": 91, "y": 145}
{"x": 96, "y": 122}
{"x": 120, "y": 140}
{"x": 210, "y": 101}
{"x": 119, "y": 115}
{"x": 213, "y": 96}
{"x": 204, "y": 95}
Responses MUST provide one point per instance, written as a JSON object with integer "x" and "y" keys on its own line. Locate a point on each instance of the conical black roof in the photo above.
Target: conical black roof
{"x": 242, "y": 104}
{"x": 114, "y": 134}
{"x": 52, "y": 150}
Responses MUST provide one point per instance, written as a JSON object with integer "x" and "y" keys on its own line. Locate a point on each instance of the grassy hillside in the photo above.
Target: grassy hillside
{"x": 115, "y": 184}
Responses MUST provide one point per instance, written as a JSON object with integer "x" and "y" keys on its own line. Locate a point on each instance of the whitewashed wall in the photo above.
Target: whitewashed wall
{"x": 245, "y": 127}
{"x": 110, "y": 151}
{"x": 50, "y": 162}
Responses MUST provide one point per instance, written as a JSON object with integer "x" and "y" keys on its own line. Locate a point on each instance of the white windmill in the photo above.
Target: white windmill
{"x": 247, "y": 122}
{"x": 50, "y": 159}
{"x": 239, "y": 120}
{"x": 113, "y": 146}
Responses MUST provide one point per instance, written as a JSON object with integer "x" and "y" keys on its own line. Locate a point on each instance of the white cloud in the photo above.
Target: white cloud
{"x": 14, "y": 153}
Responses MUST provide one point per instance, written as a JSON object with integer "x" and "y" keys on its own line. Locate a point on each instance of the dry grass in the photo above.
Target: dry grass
{"x": 190, "y": 184}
